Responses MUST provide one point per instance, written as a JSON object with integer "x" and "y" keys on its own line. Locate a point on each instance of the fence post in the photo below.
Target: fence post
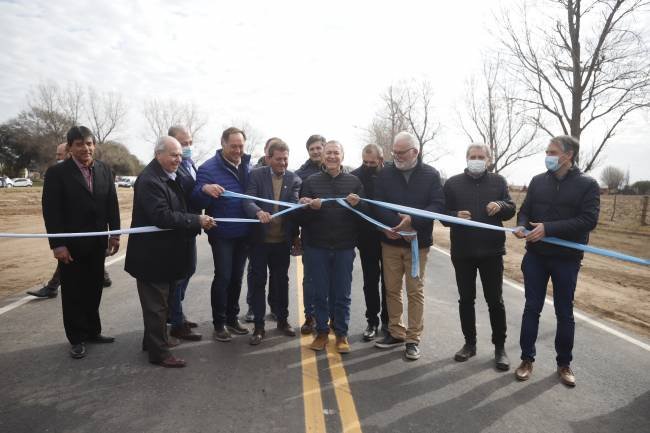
{"x": 644, "y": 210}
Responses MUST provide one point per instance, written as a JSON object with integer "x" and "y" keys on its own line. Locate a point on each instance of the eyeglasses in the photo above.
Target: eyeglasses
{"x": 402, "y": 152}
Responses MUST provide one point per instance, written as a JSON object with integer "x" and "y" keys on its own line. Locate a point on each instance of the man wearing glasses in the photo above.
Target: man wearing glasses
{"x": 410, "y": 182}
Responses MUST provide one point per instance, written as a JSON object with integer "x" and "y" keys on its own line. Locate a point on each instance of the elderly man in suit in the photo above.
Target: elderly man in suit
{"x": 271, "y": 242}
{"x": 79, "y": 196}
{"x": 160, "y": 260}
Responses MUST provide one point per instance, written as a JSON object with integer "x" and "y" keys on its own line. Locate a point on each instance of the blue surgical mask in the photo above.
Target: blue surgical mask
{"x": 552, "y": 163}
{"x": 476, "y": 166}
{"x": 187, "y": 152}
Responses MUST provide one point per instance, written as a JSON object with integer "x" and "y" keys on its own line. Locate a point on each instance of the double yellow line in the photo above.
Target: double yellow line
{"x": 311, "y": 386}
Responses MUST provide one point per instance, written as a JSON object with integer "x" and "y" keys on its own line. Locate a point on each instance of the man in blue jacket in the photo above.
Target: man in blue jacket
{"x": 565, "y": 203}
{"x": 272, "y": 239}
{"x": 227, "y": 170}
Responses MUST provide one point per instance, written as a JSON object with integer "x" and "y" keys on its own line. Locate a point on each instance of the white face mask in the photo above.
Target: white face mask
{"x": 476, "y": 166}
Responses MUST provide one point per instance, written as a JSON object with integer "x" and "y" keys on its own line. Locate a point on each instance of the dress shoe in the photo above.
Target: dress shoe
{"x": 320, "y": 342}
{"x": 222, "y": 334}
{"x": 307, "y": 327}
{"x": 236, "y": 328}
{"x": 286, "y": 329}
{"x": 566, "y": 376}
{"x": 185, "y": 333}
{"x": 190, "y": 324}
{"x": 257, "y": 337}
{"x": 501, "y": 360}
{"x": 370, "y": 333}
{"x": 78, "y": 351}
{"x": 171, "y": 362}
{"x": 101, "y": 339}
{"x": 107, "y": 281}
{"x": 525, "y": 370}
{"x": 342, "y": 345}
{"x": 249, "y": 317}
{"x": 44, "y": 292}
{"x": 465, "y": 353}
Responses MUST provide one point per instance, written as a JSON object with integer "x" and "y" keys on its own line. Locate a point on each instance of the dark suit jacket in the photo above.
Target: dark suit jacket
{"x": 69, "y": 206}
{"x": 159, "y": 201}
{"x": 188, "y": 182}
{"x": 260, "y": 185}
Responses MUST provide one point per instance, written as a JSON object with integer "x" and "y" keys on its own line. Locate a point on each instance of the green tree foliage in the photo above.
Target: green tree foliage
{"x": 118, "y": 157}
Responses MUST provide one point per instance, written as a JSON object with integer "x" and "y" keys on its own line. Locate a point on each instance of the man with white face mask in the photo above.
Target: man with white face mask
{"x": 565, "y": 203}
{"x": 481, "y": 196}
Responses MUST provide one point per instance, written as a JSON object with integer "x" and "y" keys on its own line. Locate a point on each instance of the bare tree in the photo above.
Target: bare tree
{"x": 586, "y": 66}
{"x": 613, "y": 177}
{"x": 494, "y": 116}
{"x": 106, "y": 113}
{"x": 44, "y": 102}
{"x": 406, "y": 107}
{"x": 161, "y": 114}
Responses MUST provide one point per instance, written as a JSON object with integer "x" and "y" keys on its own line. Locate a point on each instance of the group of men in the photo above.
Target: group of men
{"x": 173, "y": 194}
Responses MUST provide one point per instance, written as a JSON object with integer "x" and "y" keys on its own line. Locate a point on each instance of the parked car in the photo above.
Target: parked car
{"x": 21, "y": 181}
{"x": 6, "y": 182}
{"x": 125, "y": 181}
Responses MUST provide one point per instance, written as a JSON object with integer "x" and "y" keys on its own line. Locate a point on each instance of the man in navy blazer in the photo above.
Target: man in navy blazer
{"x": 271, "y": 240}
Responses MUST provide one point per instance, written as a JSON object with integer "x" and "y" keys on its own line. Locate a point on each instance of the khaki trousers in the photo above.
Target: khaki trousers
{"x": 397, "y": 268}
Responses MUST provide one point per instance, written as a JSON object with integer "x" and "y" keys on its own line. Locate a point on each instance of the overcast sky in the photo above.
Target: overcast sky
{"x": 291, "y": 69}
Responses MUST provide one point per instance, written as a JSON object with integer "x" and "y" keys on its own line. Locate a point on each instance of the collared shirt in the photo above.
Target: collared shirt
{"x": 187, "y": 163}
{"x": 171, "y": 175}
{"x": 86, "y": 172}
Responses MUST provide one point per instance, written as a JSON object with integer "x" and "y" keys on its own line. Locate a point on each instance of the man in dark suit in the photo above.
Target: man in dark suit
{"x": 160, "y": 260}
{"x": 181, "y": 327}
{"x": 79, "y": 196}
{"x": 271, "y": 241}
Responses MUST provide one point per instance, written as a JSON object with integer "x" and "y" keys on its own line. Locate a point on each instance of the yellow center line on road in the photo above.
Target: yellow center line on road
{"x": 314, "y": 415}
{"x": 311, "y": 391}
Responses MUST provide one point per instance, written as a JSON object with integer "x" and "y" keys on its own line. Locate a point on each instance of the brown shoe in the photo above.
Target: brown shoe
{"x": 185, "y": 333}
{"x": 171, "y": 362}
{"x": 566, "y": 376}
{"x": 286, "y": 329}
{"x": 525, "y": 370}
{"x": 320, "y": 342}
{"x": 190, "y": 324}
{"x": 342, "y": 345}
{"x": 307, "y": 327}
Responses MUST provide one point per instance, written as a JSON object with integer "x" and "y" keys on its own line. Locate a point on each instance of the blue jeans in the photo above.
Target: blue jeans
{"x": 229, "y": 257}
{"x": 176, "y": 296}
{"x": 276, "y": 258}
{"x": 331, "y": 282}
{"x": 563, "y": 272}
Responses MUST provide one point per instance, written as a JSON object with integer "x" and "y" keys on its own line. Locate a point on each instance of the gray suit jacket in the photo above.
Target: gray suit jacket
{"x": 260, "y": 185}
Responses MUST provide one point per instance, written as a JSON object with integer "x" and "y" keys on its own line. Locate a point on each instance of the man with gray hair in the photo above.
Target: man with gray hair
{"x": 478, "y": 195}
{"x": 410, "y": 182}
{"x": 369, "y": 246}
{"x": 565, "y": 203}
{"x": 159, "y": 261}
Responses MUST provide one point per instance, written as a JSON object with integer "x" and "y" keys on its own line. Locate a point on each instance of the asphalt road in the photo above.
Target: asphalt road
{"x": 279, "y": 387}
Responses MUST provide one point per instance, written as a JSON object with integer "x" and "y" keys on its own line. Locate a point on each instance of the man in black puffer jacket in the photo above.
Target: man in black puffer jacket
{"x": 409, "y": 182}
{"x": 563, "y": 203}
{"x": 329, "y": 237}
{"x": 479, "y": 196}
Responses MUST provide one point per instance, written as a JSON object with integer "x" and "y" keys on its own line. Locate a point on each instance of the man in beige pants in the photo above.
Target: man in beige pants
{"x": 409, "y": 182}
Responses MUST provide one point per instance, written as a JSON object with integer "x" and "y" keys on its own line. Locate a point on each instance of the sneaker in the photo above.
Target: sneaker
{"x": 249, "y": 317}
{"x": 78, "y": 351}
{"x": 257, "y": 337}
{"x": 465, "y": 353}
{"x": 388, "y": 342}
{"x": 44, "y": 292}
{"x": 320, "y": 342}
{"x": 307, "y": 327}
{"x": 342, "y": 345}
{"x": 236, "y": 328}
{"x": 525, "y": 370}
{"x": 222, "y": 334}
{"x": 412, "y": 351}
{"x": 370, "y": 333}
{"x": 501, "y": 360}
{"x": 566, "y": 376}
